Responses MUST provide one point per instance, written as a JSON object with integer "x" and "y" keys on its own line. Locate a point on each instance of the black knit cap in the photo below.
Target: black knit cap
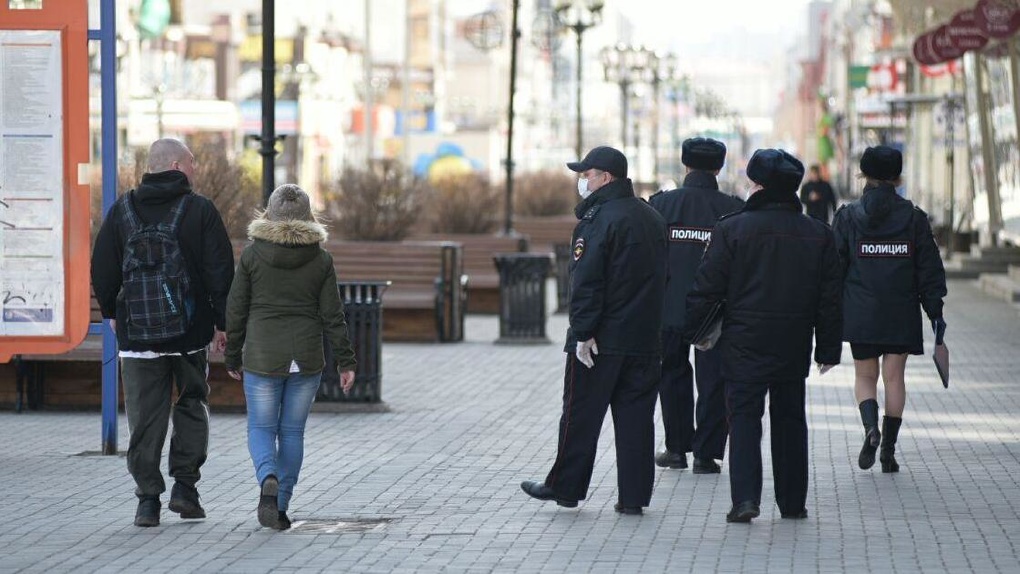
{"x": 775, "y": 169}
{"x": 703, "y": 153}
{"x": 882, "y": 162}
{"x": 603, "y": 157}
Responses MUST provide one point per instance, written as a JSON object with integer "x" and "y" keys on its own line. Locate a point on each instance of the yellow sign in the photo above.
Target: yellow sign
{"x": 251, "y": 50}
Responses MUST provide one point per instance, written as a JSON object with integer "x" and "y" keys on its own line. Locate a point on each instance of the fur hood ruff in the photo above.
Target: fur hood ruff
{"x": 290, "y": 232}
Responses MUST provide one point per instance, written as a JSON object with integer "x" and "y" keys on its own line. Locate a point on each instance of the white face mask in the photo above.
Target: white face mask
{"x": 582, "y": 188}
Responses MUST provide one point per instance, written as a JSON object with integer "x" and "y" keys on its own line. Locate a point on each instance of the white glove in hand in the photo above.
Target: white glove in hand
{"x": 586, "y": 351}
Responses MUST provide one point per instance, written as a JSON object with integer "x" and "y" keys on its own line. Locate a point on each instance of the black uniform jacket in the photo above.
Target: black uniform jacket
{"x": 892, "y": 268}
{"x": 617, "y": 273}
{"x": 207, "y": 252}
{"x": 690, "y": 213}
{"x": 778, "y": 272}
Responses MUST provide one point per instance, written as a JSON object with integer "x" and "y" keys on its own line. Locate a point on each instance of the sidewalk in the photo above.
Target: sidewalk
{"x": 433, "y": 485}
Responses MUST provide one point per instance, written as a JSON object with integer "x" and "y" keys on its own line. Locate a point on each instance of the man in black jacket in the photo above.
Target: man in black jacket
{"x": 818, "y": 197}
{"x": 779, "y": 274}
{"x": 148, "y": 368}
{"x": 690, "y": 213}
{"x": 618, "y": 277}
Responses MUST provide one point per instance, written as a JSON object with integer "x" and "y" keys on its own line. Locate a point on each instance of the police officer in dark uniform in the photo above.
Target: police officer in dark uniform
{"x": 618, "y": 279}
{"x": 778, "y": 274}
{"x": 690, "y": 213}
{"x": 892, "y": 270}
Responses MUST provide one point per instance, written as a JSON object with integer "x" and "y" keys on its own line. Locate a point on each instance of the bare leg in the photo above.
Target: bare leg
{"x": 866, "y": 379}
{"x": 893, "y": 367}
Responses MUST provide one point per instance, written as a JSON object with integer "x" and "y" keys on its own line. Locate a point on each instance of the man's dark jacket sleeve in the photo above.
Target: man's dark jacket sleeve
{"x": 106, "y": 264}
{"x": 218, "y": 264}
{"x": 829, "y": 317}
{"x": 588, "y": 288}
{"x": 711, "y": 282}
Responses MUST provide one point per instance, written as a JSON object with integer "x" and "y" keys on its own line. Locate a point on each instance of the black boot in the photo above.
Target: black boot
{"x": 890, "y": 429}
{"x": 872, "y": 438}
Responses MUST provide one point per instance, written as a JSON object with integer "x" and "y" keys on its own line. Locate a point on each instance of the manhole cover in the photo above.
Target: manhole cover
{"x": 334, "y": 526}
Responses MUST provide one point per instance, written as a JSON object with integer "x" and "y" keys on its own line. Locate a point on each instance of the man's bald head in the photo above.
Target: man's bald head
{"x": 168, "y": 153}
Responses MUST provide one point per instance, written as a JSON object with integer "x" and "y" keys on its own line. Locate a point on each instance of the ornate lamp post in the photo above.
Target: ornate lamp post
{"x": 663, "y": 68}
{"x": 625, "y": 65}
{"x": 579, "y": 16}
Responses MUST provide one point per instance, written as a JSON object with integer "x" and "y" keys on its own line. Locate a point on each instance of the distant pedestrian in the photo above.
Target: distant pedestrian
{"x": 690, "y": 213}
{"x": 161, "y": 268}
{"x": 893, "y": 269}
{"x": 283, "y": 299}
{"x": 617, "y": 278}
{"x": 818, "y": 197}
{"x": 776, "y": 272}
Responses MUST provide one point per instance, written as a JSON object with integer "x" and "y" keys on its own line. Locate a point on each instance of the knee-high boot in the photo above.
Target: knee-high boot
{"x": 890, "y": 429}
{"x": 872, "y": 437}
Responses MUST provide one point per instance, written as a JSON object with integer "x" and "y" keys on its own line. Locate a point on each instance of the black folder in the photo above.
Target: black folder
{"x": 941, "y": 357}
{"x": 710, "y": 330}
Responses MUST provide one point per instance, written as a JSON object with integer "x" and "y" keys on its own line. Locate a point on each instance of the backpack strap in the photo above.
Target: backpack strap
{"x": 177, "y": 213}
{"x": 129, "y": 215}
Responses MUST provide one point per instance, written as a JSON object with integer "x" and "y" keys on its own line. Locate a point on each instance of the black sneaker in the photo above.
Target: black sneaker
{"x": 667, "y": 459}
{"x": 184, "y": 501}
{"x": 269, "y": 512}
{"x": 148, "y": 511}
{"x": 283, "y": 520}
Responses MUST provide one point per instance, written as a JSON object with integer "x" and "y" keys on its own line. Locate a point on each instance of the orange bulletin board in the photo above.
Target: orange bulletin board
{"x": 44, "y": 191}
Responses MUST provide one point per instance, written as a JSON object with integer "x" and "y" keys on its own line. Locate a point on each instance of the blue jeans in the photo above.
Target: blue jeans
{"x": 277, "y": 412}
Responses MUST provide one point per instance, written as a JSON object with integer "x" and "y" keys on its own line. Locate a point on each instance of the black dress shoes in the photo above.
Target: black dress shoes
{"x": 795, "y": 515}
{"x": 667, "y": 459}
{"x": 706, "y": 466}
{"x": 540, "y": 491}
{"x": 743, "y": 512}
{"x": 632, "y": 510}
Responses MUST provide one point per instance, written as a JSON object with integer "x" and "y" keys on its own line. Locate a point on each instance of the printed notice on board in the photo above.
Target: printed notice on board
{"x": 31, "y": 184}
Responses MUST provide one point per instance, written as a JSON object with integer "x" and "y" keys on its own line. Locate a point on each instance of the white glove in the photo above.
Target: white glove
{"x": 822, "y": 369}
{"x": 585, "y": 352}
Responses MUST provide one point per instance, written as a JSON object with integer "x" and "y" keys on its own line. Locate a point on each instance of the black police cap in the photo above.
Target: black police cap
{"x": 703, "y": 153}
{"x": 775, "y": 169}
{"x": 882, "y": 162}
{"x": 605, "y": 158}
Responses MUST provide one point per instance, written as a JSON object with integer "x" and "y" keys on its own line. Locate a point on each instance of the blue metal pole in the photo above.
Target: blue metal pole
{"x": 108, "y": 65}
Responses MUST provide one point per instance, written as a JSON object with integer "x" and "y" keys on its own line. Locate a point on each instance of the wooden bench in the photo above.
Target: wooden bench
{"x": 479, "y": 266}
{"x": 552, "y": 234}
{"x": 545, "y": 232}
{"x": 425, "y": 301}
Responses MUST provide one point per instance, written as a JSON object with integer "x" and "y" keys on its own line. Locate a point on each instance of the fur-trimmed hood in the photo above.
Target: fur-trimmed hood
{"x": 286, "y": 244}
{"x": 291, "y": 232}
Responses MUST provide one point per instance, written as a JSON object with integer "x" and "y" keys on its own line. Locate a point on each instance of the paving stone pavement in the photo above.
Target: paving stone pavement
{"x": 469, "y": 421}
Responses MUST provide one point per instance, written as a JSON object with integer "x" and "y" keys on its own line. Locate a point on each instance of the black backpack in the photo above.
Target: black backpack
{"x": 156, "y": 287}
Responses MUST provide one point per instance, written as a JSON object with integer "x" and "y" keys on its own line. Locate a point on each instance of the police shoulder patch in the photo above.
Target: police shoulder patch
{"x": 578, "y": 248}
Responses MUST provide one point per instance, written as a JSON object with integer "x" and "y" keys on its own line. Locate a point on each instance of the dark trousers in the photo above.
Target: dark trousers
{"x": 746, "y": 405}
{"x": 627, "y": 384}
{"x": 147, "y": 393}
{"x": 676, "y": 395}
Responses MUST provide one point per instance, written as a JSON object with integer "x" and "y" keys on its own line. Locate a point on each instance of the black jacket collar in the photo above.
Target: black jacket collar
{"x": 772, "y": 199}
{"x": 615, "y": 189}
{"x": 701, "y": 179}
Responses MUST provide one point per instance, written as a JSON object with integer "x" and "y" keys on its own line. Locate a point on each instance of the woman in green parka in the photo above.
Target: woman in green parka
{"x": 283, "y": 298}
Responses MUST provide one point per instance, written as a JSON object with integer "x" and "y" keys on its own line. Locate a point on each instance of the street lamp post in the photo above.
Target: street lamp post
{"x": 626, "y": 65}
{"x": 579, "y": 16}
{"x": 663, "y": 70}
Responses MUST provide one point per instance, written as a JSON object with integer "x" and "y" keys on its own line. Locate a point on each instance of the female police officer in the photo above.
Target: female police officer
{"x": 892, "y": 268}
